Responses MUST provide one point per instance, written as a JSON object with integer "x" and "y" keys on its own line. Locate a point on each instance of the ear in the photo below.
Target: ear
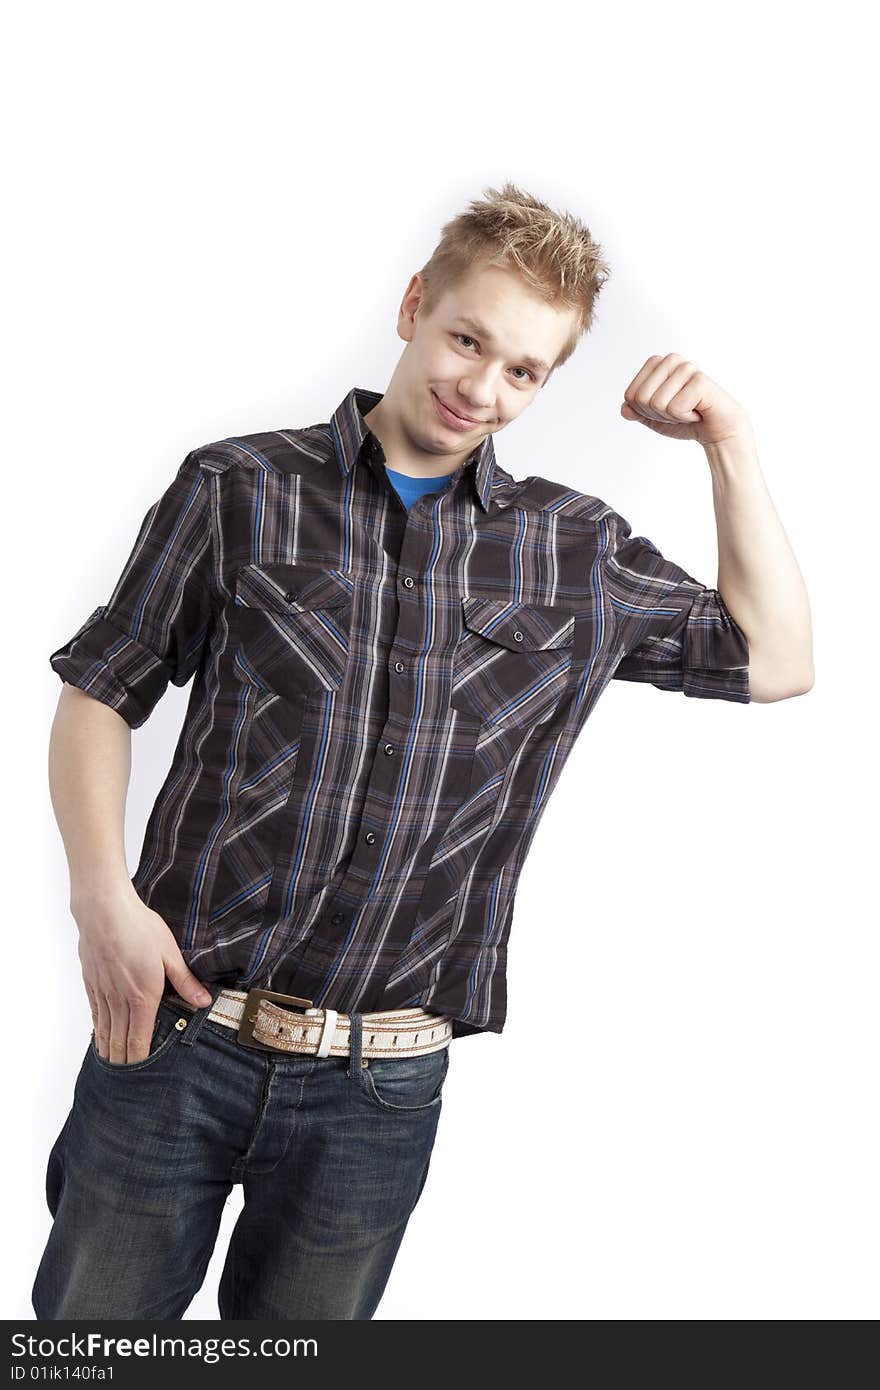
{"x": 409, "y": 307}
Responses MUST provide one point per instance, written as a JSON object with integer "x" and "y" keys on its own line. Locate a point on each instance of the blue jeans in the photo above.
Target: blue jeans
{"x": 332, "y": 1156}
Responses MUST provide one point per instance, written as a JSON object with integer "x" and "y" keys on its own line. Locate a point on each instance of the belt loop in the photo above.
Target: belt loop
{"x": 191, "y": 1031}
{"x": 354, "y": 1043}
{"x": 326, "y": 1039}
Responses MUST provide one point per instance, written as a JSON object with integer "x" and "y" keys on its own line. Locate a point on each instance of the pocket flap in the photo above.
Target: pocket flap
{"x": 285, "y": 586}
{"x": 534, "y": 627}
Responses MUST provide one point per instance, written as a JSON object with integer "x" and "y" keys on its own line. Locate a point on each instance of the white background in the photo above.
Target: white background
{"x": 215, "y": 213}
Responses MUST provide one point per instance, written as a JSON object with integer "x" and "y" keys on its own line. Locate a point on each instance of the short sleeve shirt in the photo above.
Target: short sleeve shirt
{"x": 383, "y": 699}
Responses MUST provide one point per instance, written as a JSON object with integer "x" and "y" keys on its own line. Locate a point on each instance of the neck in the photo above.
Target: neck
{"x": 402, "y": 453}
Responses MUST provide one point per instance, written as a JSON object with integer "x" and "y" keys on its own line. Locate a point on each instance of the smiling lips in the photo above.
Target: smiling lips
{"x": 451, "y": 417}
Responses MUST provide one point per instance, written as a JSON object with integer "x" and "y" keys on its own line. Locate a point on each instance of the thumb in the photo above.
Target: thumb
{"x": 185, "y": 982}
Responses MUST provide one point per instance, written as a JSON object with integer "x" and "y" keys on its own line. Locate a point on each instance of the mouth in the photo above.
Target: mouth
{"x": 452, "y": 418}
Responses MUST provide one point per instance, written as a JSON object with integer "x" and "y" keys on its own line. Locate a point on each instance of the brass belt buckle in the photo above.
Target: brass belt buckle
{"x": 251, "y": 1010}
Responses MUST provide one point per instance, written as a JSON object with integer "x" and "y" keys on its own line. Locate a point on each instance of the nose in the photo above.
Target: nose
{"x": 475, "y": 399}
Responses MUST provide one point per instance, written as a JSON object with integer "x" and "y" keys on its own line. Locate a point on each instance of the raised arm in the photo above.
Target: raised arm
{"x": 758, "y": 576}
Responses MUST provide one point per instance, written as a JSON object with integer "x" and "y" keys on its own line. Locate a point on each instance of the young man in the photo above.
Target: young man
{"x": 395, "y": 645}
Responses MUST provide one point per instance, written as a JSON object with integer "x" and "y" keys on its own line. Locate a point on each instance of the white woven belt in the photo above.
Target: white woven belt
{"x": 327, "y": 1032}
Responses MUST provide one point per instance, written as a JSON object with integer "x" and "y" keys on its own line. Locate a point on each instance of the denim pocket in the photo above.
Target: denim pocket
{"x": 165, "y": 1034}
{"x": 401, "y": 1084}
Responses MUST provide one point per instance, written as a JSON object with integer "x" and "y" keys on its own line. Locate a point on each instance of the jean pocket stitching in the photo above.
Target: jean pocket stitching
{"x": 121, "y": 1067}
{"x": 368, "y": 1089}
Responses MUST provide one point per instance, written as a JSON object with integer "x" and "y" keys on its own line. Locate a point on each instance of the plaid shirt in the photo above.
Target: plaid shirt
{"x": 383, "y": 703}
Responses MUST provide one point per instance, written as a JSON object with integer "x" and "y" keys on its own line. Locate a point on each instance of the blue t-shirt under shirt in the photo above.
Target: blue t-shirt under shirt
{"x": 411, "y": 489}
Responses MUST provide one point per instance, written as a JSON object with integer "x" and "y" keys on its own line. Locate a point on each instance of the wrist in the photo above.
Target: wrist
{"x": 734, "y": 458}
{"x": 100, "y": 897}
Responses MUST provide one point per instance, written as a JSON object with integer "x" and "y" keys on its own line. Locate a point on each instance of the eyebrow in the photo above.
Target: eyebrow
{"x": 483, "y": 332}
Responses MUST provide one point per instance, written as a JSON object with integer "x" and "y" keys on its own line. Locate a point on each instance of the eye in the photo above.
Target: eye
{"x": 516, "y": 369}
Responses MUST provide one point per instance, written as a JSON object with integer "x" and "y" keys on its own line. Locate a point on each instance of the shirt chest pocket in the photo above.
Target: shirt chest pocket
{"x": 513, "y": 660}
{"x": 292, "y": 627}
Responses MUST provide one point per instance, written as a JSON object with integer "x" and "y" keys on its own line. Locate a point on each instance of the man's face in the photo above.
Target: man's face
{"x": 484, "y": 353}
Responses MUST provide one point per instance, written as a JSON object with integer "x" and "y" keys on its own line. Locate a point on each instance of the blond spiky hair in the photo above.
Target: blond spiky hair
{"x": 553, "y": 251}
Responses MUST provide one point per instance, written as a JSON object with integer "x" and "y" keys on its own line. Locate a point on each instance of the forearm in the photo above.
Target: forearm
{"x": 758, "y": 575}
{"x": 89, "y": 770}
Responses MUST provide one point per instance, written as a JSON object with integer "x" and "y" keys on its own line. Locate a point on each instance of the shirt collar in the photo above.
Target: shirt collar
{"x": 352, "y": 434}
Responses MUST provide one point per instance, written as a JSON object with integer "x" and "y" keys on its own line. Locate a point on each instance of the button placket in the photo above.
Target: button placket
{"x": 380, "y": 789}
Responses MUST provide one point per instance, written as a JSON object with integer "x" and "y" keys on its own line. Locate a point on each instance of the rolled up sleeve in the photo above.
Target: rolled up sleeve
{"x": 154, "y": 628}
{"x": 672, "y": 631}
